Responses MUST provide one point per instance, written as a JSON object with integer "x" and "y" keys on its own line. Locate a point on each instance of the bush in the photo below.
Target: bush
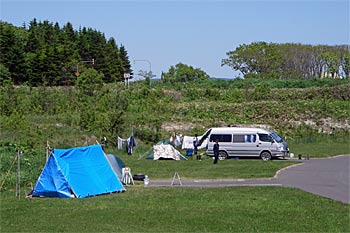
{"x": 262, "y": 91}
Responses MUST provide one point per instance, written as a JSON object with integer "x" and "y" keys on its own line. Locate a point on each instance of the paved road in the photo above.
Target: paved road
{"x": 327, "y": 177}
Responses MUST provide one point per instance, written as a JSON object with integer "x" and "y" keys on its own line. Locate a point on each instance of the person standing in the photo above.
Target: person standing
{"x": 195, "y": 146}
{"x": 216, "y": 151}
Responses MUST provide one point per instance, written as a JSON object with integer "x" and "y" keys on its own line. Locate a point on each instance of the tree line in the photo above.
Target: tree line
{"x": 44, "y": 53}
{"x": 284, "y": 61}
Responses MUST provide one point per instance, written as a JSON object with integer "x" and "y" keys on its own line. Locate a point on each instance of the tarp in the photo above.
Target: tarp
{"x": 164, "y": 150}
{"x": 77, "y": 172}
{"x": 187, "y": 143}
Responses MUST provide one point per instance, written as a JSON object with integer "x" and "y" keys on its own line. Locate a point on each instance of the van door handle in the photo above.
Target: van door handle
{"x": 257, "y": 145}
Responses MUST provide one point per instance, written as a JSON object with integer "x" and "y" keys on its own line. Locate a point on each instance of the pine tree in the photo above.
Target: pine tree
{"x": 125, "y": 61}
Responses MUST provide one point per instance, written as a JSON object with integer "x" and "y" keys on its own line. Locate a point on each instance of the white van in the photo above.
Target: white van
{"x": 245, "y": 142}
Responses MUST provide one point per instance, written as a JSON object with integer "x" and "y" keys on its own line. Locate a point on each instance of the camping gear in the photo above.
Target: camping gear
{"x": 138, "y": 177}
{"x": 189, "y": 152}
{"x": 163, "y": 150}
{"x": 77, "y": 172}
{"x": 146, "y": 181}
{"x": 127, "y": 177}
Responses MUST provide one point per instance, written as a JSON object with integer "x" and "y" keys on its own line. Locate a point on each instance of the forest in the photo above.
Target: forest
{"x": 45, "y": 54}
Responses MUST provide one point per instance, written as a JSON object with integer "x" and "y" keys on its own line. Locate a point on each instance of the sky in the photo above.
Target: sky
{"x": 159, "y": 34}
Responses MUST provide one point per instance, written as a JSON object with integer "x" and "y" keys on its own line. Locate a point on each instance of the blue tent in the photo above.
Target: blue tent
{"x": 77, "y": 172}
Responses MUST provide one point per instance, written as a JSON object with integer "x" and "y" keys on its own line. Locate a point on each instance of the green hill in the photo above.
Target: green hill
{"x": 69, "y": 116}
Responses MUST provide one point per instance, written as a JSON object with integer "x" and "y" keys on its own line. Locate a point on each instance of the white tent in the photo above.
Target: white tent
{"x": 166, "y": 151}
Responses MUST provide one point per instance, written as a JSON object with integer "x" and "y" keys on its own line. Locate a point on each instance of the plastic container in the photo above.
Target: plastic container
{"x": 146, "y": 181}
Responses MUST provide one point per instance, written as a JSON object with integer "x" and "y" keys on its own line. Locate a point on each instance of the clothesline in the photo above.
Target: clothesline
{"x": 129, "y": 142}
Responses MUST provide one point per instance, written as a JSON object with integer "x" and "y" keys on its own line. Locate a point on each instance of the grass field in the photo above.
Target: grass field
{"x": 204, "y": 169}
{"x": 139, "y": 209}
{"x": 182, "y": 209}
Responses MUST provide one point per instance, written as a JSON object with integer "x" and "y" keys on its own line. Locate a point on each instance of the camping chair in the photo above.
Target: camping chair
{"x": 127, "y": 177}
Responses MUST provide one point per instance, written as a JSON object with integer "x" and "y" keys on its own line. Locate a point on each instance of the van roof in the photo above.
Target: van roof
{"x": 238, "y": 130}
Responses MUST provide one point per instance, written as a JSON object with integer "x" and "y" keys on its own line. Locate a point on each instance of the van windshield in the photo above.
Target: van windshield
{"x": 276, "y": 137}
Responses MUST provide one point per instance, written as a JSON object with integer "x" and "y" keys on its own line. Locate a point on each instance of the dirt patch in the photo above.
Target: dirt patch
{"x": 324, "y": 125}
{"x": 177, "y": 127}
{"x": 176, "y": 95}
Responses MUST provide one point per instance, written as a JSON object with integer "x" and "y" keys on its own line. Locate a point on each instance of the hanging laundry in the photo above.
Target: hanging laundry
{"x": 131, "y": 144}
{"x": 121, "y": 142}
{"x": 178, "y": 140}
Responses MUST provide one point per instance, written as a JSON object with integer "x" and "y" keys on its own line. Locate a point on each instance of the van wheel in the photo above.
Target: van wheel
{"x": 222, "y": 155}
{"x": 266, "y": 156}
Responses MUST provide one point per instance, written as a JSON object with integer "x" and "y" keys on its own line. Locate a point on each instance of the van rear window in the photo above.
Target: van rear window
{"x": 221, "y": 137}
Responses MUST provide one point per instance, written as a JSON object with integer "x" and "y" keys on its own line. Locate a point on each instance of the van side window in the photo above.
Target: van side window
{"x": 244, "y": 138}
{"x": 250, "y": 138}
{"x": 238, "y": 138}
{"x": 221, "y": 137}
{"x": 265, "y": 138}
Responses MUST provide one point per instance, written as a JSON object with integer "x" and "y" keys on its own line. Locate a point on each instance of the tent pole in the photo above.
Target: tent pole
{"x": 47, "y": 150}
{"x": 8, "y": 172}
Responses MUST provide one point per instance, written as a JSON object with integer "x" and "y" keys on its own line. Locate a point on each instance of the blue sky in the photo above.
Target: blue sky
{"x": 196, "y": 33}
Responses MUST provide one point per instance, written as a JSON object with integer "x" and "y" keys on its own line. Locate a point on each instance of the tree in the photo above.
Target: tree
{"x": 125, "y": 61}
{"x": 260, "y": 59}
{"x": 147, "y": 75}
{"x": 12, "y": 41}
{"x": 114, "y": 64}
{"x": 183, "y": 73}
{"x": 5, "y": 75}
{"x": 90, "y": 80}
{"x": 45, "y": 54}
{"x": 257, "y": 58}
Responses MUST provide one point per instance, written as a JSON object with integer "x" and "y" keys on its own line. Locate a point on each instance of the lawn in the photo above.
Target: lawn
{"x": 204, "y": 169}
{"x": 321, "y": 149}
{"x": 179, "y": 209}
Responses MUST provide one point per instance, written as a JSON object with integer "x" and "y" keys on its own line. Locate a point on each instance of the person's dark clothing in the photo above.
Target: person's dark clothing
{"x": 195, "y": 146}
{"x": 216, "y": 152}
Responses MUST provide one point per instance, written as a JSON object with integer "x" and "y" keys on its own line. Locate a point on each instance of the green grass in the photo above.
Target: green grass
{"x": 322, "y": 146}
{"x": 321, "y": 150}
{"x": 229, "y": 209}
{"x": 204, "y": 169}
